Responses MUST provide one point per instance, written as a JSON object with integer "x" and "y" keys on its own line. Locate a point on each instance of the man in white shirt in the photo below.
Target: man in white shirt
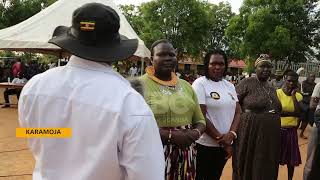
{"x": 114, "y": 133}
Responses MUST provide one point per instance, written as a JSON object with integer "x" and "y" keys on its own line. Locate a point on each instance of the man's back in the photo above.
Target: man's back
{"x": 114, "y": 134}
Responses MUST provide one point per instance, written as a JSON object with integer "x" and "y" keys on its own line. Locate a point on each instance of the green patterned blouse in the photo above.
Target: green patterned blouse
{"x": 172, "y": 107}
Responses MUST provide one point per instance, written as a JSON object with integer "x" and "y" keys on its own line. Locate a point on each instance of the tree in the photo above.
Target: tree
{"x": 219, "y": 17}
{"x": 133, "y": 15}
{"x": 285, "y": 29}
{"x": 184, "y": 22}
{"x": 191, "y": 25}
{"x": 15, "y": 11}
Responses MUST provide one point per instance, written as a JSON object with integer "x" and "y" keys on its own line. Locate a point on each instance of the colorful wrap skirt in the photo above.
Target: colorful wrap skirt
{"x": 180, "y": 163}
{"x": 289, "y": 149}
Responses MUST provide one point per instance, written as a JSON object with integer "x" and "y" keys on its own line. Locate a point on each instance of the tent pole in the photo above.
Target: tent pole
{"x": 142, "y": 66}
{"x": 238, "y": 78}
{"x": 60, "y": 57}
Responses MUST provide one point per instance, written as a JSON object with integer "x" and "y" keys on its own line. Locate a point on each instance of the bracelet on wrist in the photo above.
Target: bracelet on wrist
{"x": 198, "y": 131}
{"x": 234, "y": 133}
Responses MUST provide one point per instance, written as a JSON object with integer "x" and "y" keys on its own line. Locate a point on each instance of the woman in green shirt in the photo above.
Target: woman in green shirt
{"x": 176, "y": 110}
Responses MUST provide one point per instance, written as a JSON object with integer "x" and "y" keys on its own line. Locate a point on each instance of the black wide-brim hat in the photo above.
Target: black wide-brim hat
{"x": 94, "y": 35}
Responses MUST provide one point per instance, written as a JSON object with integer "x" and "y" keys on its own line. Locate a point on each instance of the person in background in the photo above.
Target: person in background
{"x": 51, "y": 65}
{"x": 307, "y": 87}
{"x": 290, "y": 70}
{"x": 114, "y": 136}
{"x": 228, "y": 77}
{"x": 18, "y": 80}
{"x": 278, "y": 81}
{"x": 257, "y": 148}
{"x": 233, "y": 80}
{"x": 133, "y": 71}
{"x": 219, "y": 104}
{"x": 178, "y": 74}
{"x": 17, "y": 67}
{"x": 312, "y": 168}
{"x": 290, "y": 99}
{"x": 176, "y": 109}
{"x": 31, "y": 69}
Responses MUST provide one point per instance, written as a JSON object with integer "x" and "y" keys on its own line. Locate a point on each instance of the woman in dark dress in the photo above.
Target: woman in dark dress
{"x": 257, "y": 149}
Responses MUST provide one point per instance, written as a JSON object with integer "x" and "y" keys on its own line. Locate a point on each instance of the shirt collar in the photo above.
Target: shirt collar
{"x": 94, "y": 66}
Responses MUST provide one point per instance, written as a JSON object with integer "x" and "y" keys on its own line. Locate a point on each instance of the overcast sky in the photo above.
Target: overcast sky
{"x": 234, "y": 3}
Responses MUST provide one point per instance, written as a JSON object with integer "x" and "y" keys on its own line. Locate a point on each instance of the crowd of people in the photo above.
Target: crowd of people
{"x": 18, "y": 73}
{"x": 168, "y": 129}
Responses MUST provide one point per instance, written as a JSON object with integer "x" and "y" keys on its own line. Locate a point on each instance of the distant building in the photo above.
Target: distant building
{"x": 195, "y": 65}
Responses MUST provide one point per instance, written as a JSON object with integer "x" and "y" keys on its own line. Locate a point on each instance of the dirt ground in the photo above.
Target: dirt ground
{"x": 16, "y": 161}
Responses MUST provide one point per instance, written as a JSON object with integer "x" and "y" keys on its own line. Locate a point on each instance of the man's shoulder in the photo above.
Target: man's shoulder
{"x": 101, "y": 81}
{"x": 47, "y": 74}
{"x": 317, "y": 86}
{"x": 40, "y": 78}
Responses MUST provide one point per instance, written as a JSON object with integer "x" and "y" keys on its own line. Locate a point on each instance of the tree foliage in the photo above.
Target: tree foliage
{"x": 285, "y": 29}
{"x": 15, "y": 11}
{"x": 219, "y": 17}
{"x": 183, "y": 22}
{"x": 191, "y": 25}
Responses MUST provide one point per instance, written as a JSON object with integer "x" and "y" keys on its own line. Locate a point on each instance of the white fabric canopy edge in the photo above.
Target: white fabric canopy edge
{"x": 33, "y": 34}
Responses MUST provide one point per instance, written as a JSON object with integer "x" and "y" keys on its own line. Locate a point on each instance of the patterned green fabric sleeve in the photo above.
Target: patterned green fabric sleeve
{"x": 197, "y": 116}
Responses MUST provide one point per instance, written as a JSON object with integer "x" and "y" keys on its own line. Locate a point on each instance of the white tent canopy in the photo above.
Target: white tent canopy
{"x": 33, "y": 34}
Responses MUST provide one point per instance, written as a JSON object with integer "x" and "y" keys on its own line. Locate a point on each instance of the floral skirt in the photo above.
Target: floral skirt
{"x": 180, "y": 163}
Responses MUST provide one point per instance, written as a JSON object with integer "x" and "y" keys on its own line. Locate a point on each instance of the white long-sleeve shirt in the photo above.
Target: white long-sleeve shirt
{"x": 19, "y": 81}
{"x": 114, "y": 133}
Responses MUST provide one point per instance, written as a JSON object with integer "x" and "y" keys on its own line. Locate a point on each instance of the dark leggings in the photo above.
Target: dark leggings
{"x": 210, "y": 162}
{"x": 290, "y": 172}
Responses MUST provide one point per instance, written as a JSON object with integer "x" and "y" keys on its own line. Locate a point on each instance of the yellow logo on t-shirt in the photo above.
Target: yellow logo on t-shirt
{"x": 215, "y": 95}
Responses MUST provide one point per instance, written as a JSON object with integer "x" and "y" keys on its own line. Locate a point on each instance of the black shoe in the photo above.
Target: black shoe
{"x": 5, "y": 106}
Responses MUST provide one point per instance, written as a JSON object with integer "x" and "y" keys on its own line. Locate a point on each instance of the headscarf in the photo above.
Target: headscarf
{"x": 263, "y": 58}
